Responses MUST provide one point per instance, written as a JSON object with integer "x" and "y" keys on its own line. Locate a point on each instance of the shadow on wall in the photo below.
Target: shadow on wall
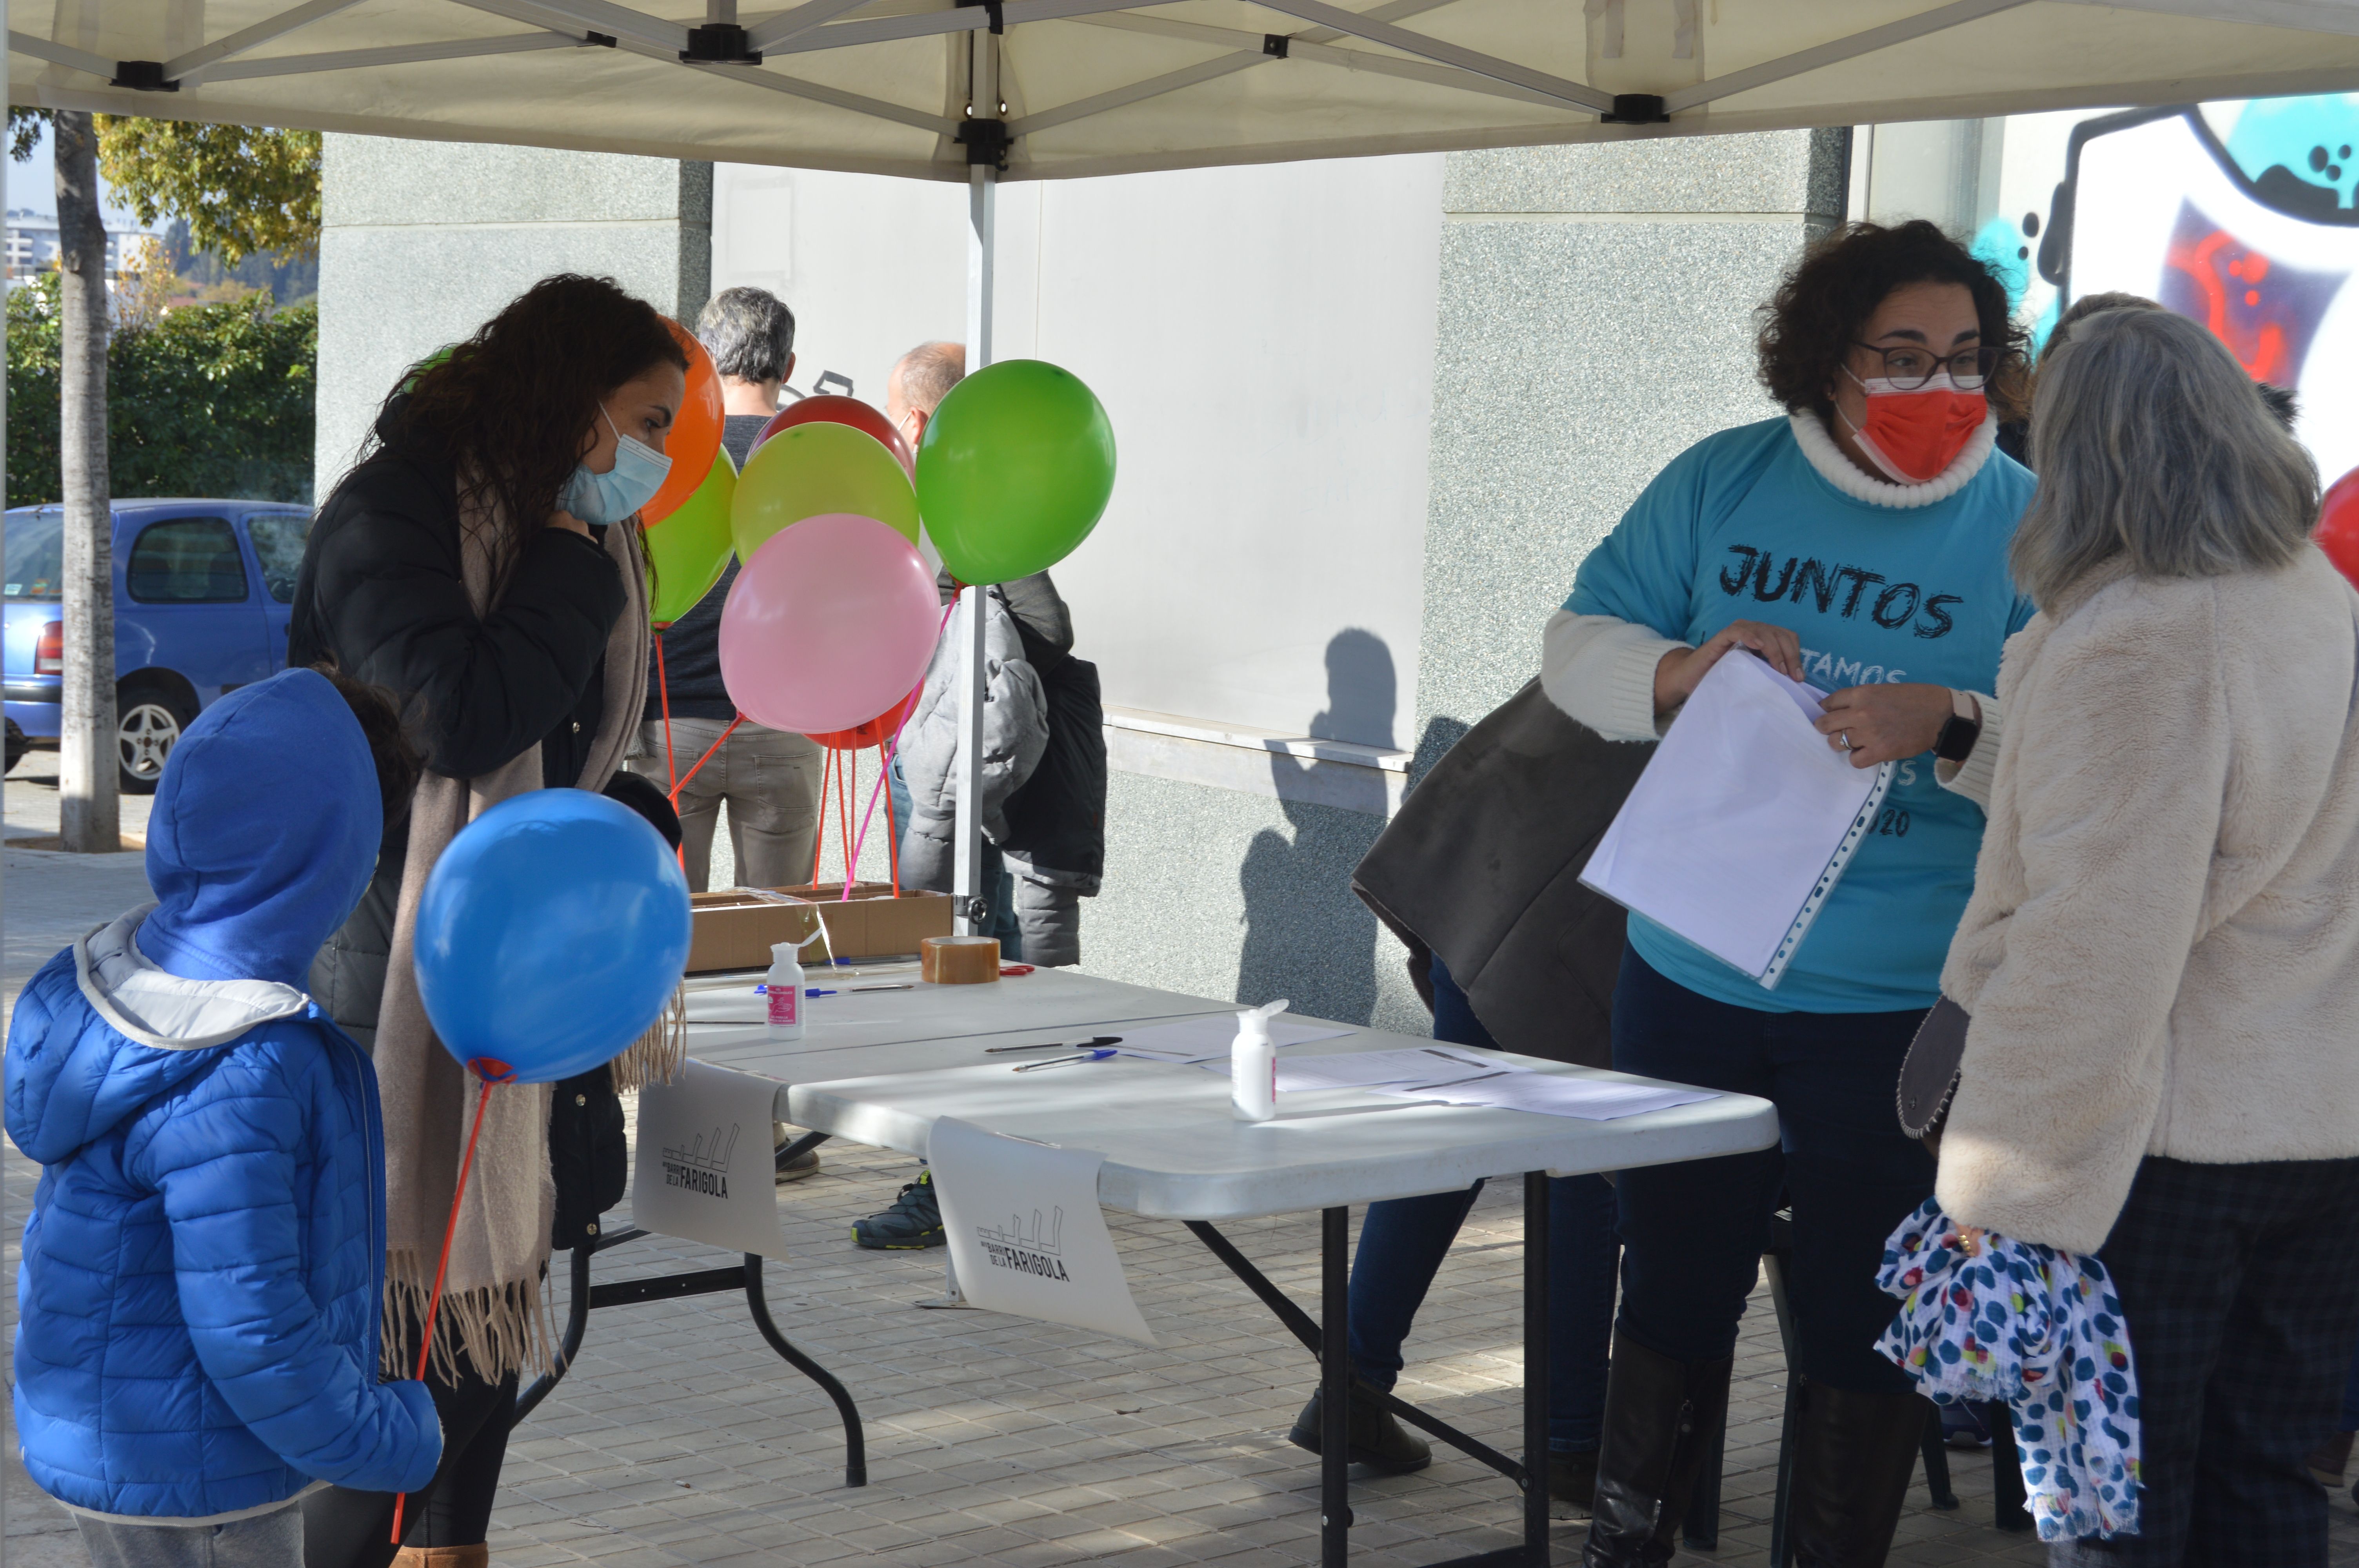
{"x": 1308, "y": 937}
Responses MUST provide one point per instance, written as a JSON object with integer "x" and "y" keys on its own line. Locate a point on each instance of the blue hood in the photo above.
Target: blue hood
{"x": 263, "y": 835}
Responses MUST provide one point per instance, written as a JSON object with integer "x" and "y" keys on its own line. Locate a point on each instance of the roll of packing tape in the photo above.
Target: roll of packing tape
{"x": 958, "y": 960}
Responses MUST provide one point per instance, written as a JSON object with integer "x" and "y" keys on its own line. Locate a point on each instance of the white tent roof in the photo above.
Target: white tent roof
{"x": 1104, "y": 86}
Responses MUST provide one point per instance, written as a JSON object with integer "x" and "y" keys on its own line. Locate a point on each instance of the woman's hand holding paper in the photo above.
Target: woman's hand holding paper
{"x": 1878, "y": 724}
{"x": 1682, "y": 669}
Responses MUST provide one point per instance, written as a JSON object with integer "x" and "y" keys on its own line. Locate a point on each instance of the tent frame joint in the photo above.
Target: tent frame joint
{"x": 1636, "y": 109}
{"x": 991, "y": 10}
{"x": 986, "y": 142}
{"x": 718, "y": 43}
{"x": 1275, "y": 45}
{"x": 602, "y": 40}
{"x": 142, "y": 76}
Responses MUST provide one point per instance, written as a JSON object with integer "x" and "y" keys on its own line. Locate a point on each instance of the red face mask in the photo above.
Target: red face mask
{"x": 1914, "y": 435}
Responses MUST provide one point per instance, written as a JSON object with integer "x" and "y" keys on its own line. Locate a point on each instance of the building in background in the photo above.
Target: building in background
{"x": 1371, "y": 413}
{"x": 32, "y": 245}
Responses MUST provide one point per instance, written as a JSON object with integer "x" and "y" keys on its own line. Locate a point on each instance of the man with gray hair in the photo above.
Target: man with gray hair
{"x": 750, "y": 334}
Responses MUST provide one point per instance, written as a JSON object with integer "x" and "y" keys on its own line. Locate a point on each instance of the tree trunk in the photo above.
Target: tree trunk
{"x": 89, "y": 775}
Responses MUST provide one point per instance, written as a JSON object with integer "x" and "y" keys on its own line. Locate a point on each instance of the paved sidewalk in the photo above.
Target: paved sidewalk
{"x": 680, "y": 1439}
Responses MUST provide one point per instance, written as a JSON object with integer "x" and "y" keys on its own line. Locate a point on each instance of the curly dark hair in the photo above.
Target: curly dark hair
{"x": 1824, "y": 303}
{"x": 399, "y": 760}
{"x": 512, "y": 404}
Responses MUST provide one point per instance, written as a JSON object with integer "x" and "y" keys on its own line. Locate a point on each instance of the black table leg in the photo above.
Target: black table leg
{"x": 1536, "y": 1367}
{"x": 1334, "y": 1386}
{"x": 856, "y": 1447}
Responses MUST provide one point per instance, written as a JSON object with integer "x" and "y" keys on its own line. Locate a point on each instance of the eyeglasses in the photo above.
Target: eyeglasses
{"x": 1909, "y": 366}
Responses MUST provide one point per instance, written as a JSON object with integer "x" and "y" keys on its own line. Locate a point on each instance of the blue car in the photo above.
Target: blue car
{"x": 203, "y": 593}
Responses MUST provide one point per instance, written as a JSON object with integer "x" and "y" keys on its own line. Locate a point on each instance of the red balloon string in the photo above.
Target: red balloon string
{"x": 443, "y": 1266}
{"x": 819, "y": 832}
{"x": 671, "y": 768}
{"x": 706, "y": 758}
{"x": 886, "y": 754}
{"x": 844, "y": 798}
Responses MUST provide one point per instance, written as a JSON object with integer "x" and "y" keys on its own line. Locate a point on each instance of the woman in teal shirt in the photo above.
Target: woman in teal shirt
{"x": 1858, "y": 543}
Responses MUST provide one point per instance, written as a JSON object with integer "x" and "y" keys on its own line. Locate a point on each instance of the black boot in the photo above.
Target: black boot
{"x": 1658, "y": 1415}
{"x": 1853, "y": 1459}
{"x": 1373, "y": 1437}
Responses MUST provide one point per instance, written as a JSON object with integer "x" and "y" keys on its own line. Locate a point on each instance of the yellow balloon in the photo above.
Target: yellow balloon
{"x": 815, "y": 469}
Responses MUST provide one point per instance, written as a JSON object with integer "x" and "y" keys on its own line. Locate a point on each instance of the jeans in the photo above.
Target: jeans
{"x": 273, "y": 1539}
{"x": 1692, "y": 1233}
{"x": 1403, "y": 1241}
{"x": 769, "y": 778}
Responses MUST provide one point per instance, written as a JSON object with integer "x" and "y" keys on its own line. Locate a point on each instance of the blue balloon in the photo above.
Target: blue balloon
{"x": 550, "y": 935}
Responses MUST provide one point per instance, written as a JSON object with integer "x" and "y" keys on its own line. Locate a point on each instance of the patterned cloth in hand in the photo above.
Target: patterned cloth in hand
{"x": 2040, "y": 1331}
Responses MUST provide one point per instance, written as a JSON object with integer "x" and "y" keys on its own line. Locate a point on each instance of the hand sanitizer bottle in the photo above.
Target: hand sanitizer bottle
{"x": 784, "y": 985}
{"x": 1252, "y": 1065}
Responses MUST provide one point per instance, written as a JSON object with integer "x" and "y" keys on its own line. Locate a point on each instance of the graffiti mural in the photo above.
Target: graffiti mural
{"x": 2243, "y": 216}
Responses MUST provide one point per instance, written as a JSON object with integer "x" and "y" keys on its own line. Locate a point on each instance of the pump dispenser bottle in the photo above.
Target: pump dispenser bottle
{"x": 1252, "y": 1065}
{"x": 784, "y": 985}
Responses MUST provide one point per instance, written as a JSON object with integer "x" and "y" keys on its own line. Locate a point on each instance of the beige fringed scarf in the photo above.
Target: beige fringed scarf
{"x": 492, "y": 1299}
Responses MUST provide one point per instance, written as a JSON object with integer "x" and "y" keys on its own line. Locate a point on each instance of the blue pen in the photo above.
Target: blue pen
{"x": 1098, "y": 1055}
{"x": 807, "y": 990}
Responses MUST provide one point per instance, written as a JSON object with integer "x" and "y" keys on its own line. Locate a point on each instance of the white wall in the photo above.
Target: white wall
{"x": 1262, "y": 341}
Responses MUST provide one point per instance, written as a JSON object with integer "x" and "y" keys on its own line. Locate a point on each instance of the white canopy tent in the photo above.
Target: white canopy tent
{"x": 978, "y": 91}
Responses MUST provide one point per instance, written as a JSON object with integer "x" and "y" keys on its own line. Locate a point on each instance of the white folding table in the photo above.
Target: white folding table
{"x": 878, "y": 1068}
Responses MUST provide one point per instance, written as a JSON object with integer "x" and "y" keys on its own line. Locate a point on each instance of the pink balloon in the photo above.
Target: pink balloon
{"x": 829, "y": 625}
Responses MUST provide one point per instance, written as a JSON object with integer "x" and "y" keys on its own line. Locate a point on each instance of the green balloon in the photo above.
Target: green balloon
{"x": 1014, "y": 471}
{"x": 409, "y": 382}
{"x": 688, "y": 550}
{"x": 811, "y": 469}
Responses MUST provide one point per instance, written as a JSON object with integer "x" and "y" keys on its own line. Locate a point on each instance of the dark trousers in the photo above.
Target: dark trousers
{"x": 345, "y": 1529}
{"x": 1403, "y": 1241}
{"x": 1693, "y": 1233}
{"x": 2240, "y": 1285}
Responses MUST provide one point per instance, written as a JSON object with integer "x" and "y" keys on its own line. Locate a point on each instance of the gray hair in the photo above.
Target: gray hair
{"x": 749, "y": 332}
{"x": 928, "y": 372}
{"x": 2153, "y": 449}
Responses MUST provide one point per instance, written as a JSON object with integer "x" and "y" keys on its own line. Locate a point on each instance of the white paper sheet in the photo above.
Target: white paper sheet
{"x": 1203, "y": 1039}
{"x": 1741, "y": 822}
{"x": 1026, "y": 1234}
{"x": 704, "y": 1159}
{"x": 1555, "y": 1094}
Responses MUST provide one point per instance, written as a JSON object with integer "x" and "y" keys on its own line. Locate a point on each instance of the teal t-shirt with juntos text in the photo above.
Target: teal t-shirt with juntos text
{"x": 1742, "y": 526}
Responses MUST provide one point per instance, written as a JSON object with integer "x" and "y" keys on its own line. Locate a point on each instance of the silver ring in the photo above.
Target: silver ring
{"x": 1844, "y": 736}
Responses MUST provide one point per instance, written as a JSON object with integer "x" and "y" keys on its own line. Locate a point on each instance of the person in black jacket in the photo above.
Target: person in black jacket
{"x": 481, "y": 562}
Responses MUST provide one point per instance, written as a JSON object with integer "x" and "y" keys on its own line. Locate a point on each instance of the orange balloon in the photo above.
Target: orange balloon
{"x": 695, "y": 435}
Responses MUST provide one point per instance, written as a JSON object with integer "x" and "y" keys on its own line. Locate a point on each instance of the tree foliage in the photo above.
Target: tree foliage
{"x": 210, "y": 400}
{"x": 244, "y": 189}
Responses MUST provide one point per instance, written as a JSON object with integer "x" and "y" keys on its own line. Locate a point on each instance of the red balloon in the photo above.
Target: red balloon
{"x": 827, "y": 406}
{"x": 2338, "y": 525}
{"x": 876, "y": 733}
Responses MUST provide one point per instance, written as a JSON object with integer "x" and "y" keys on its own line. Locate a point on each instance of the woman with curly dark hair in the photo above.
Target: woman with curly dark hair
{"x": 482, "y": 562}
{"x": 1859, "y": 544}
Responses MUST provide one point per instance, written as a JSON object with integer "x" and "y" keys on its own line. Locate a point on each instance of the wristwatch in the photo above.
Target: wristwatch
{"x": 1961, "y": 729}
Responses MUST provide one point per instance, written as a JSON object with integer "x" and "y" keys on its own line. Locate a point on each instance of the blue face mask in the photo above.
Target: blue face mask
{"x": 638, "y": 472}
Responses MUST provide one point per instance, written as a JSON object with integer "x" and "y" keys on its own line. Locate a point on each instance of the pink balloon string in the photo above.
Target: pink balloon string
{"x": 850, "y": 866}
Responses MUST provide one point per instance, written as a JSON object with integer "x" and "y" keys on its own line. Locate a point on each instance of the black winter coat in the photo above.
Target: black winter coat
{"x": 381, "y": 595}
{"x": 1056, "y": 817}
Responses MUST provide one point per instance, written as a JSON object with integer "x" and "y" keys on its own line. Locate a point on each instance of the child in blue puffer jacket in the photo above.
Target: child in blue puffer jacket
{"x": 199, "y": 1299}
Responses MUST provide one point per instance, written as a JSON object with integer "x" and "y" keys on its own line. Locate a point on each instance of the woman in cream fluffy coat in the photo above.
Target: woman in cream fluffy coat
{"x": 2161, "y": 956}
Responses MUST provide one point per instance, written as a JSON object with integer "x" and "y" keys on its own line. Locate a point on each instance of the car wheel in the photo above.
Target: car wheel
{"x": 148, "y": 721}
{"x": 18, "y": 745}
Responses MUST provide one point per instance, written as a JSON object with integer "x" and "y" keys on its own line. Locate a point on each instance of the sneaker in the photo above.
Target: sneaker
{"x": 913, "y": 1224}
{"x": 1572, "y": 1483}
{"x": 1963, "y": 1426}
{"x": 803, "y": 1165}
{"x": 1373, "y": 1437}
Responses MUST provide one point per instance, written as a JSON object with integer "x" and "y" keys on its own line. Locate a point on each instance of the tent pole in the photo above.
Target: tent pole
{"x": 970, "y": 897}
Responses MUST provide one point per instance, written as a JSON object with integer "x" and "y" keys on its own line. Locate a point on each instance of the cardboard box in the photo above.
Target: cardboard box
{"x": 735, "y": 928}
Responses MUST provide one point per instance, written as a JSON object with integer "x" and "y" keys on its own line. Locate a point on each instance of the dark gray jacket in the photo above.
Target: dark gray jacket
{"x": 1482, "y": 867}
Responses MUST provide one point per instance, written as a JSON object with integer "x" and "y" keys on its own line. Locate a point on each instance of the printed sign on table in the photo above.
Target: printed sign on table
{"x": 1027, "y": 1236}
{"x": 704, "y": 1166}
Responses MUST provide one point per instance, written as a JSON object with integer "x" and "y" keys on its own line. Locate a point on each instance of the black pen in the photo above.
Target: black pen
{"x": 1056, "y": 1046}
